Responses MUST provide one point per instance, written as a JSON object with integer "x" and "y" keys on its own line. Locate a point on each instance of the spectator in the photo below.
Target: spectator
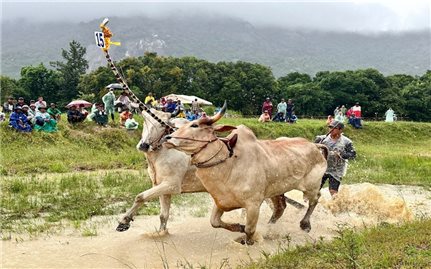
{"x": 279, "y": 117}
{"x": 123, "y": 100}
{"x": 83, "y": 111}
{"x": 181, "y": 108}
{"x": 31, "y": 114}
{"x": 40, "y": 103}
{"x": 195, "y": 106}
{"x": 389, "y": 115}
{"x": 100, "y": 116}
{"x": 93, "y": 111}
{"x": 281, "y": 108}
{"x": 290, "y": 109}
{"x": 265, "y": 117}
{"x": 329, "y": 120}
{"x": 356, "y": 109}
{"x": 54, "y": 112}
{"x": 170, "y": 106}
{"x": 162, "y": 103}
{"x": 340, "y": 151}
{"x": 343, "y": 110}
{"x": 74, "y": 116}
{"x": 340, "y": 116}
{"x": 293, "y": 118}
{"x": 190, "y": 116}
{"x": 26, "y": 111}
{"x": 19, "y": 121}
{"x": 108, "y": 99}
{"x": 150, "y": 100}
{"x": 355, "y": 122}
{"x": 336, "y": 110}
{"x": 44, "y": 121}
{"x": 9, "y": 106}
{"x": 124, "y": 116}
{"x": 21, "y": 102}
{"x": 267, "y": 106}
{"x": 130, "y": 123}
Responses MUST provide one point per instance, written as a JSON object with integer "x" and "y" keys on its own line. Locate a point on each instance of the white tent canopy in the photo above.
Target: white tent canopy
{"x": 187, "y": 99}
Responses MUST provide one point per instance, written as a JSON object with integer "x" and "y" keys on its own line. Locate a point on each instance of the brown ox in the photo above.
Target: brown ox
{"x": 170, "y": 171}
{"x": 258, "y": 169}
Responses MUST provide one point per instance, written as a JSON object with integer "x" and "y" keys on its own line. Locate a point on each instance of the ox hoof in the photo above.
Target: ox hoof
{"x": 122, "y": 227}
{"x": 305, "y": 226}
{"x": 247, "y": 242}
{"x": 244, "y": 241}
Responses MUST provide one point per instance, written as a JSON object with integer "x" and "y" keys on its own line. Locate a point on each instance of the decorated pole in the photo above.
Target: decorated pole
{"x": 103, "y": 41}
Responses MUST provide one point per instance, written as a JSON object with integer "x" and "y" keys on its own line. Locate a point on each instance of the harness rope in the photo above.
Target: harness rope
{"x": 142, "y": 106}
{"x": 205, "y": 164}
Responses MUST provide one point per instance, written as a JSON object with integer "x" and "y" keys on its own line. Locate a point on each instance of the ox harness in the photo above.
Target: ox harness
{"x": 228, "y": 142}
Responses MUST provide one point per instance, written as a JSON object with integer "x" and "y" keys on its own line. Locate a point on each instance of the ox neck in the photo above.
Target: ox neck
{"x": 211, "y": 154}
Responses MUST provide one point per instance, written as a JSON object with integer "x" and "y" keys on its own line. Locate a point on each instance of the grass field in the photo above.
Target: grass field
{"x": 384, "y": 246}
{"x": 49, "y": 181}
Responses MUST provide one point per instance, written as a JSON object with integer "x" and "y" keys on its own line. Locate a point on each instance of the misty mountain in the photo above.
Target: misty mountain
{"x": 219, "y": 39}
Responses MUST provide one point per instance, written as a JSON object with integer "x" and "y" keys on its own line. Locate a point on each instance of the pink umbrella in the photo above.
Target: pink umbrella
{"x": 79, "y": 103}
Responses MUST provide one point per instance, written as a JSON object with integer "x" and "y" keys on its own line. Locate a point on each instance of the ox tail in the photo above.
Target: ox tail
{"x": 323, "y": 149}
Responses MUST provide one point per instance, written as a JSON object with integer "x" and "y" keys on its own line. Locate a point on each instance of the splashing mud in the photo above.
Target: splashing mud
{"x": 192, "y": 241}
{"x": 369, "y": 201}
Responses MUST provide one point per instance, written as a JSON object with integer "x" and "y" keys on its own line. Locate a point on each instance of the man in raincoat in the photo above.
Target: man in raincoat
{"x": 18, "y": 120}
{"x": 389, "y": 115}
{"x": 131, "y": 123}
{"x": 108, "y": 99}
{"x": 44, "y": 121}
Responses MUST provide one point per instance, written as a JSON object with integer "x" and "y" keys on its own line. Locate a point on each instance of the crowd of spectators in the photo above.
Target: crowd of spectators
{"x": 35, "y": 115}
{"x": 32, "y": 116}
{"x": 352, "y": 115}
{"x": 285, "y": 111}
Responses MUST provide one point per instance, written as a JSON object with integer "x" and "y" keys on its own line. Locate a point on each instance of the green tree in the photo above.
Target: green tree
{"x": 40, "y": 81}
{"x": 417, "y": 97}
{"x": 309, "y": 99}
{"x": 293, "y": 78}
{"x": 74, "y": 66}
{"x": 10, "y": 87}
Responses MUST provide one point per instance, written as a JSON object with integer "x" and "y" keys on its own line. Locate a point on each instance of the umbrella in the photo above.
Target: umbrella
{"x": 79, "y": 103}
{"x": 187, "y": 99}
{"x": 115, "y": 86}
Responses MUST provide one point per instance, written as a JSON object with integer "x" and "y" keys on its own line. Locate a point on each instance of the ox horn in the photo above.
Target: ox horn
{"x": 216, "y": 117}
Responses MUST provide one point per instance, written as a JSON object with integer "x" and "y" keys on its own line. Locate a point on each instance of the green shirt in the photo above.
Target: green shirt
{"x": 53, "y": 111}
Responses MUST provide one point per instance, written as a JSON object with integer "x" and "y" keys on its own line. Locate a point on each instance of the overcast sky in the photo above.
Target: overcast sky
{"x": 369, "y": 16}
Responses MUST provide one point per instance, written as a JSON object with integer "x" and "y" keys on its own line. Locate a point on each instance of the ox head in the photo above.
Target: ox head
{"x": 156, "y": 126}
{"x": 194, "y": 135}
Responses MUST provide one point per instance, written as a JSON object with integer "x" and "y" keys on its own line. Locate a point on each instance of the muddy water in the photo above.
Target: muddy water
{"x": 192, "y": 239}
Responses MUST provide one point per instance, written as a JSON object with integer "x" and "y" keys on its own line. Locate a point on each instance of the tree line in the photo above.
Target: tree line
{"x": 245, "y": 85}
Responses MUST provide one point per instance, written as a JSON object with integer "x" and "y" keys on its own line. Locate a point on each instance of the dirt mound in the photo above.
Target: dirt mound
{"x": 192, "y": 240}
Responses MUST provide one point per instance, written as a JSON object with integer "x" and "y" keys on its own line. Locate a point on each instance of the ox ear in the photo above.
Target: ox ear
{"x": 224, "y": 128}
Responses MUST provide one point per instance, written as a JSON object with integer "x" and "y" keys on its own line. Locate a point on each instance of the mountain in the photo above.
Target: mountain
{"x": 220, "y": 39}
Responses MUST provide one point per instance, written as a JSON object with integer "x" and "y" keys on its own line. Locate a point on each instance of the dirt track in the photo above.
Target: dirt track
{"x": 193, "y": 240}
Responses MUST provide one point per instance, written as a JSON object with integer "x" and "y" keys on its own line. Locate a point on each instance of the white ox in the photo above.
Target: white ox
{"x": 170, "y": 171}
{"x": 257, "y": 170}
